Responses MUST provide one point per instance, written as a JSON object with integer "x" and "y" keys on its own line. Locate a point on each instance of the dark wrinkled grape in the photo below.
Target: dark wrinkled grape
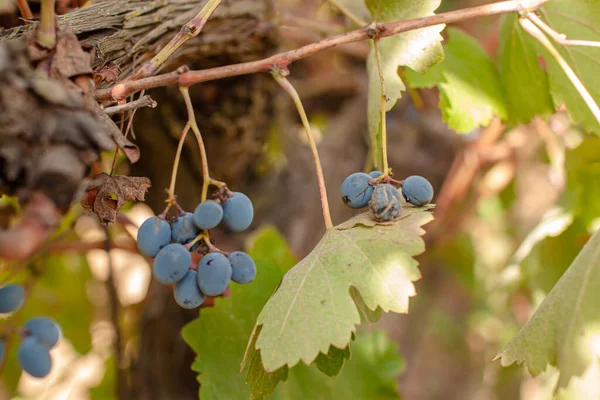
{"x": 238, "y": 212}
{"x": 183, "y": 229}
{"x": 34, "y": 358}
{"x": 12, "y": 297}
{"x": 45, "y": 330}
{"x": 243, "y": 268}
{"x": 375, "y": 174}
{"x": 171, "y": 264}
{"x": 214, "y": 274}
{"x": 356, "y": 191}
{"x": 187, "y": 292}
{"x": 385, "y": 202}
{"x": 208, "y": 214}
{"x": 417, "y": 190}
{"x": 153, "y": 235}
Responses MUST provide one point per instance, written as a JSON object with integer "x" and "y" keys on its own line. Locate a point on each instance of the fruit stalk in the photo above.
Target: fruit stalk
{"x": 206, "y": 180}
{"x": 171, "y": 191}
{"x": 46, "y": 34}
{"x": 289, "y": 88}
{"x": 385, "y": 165}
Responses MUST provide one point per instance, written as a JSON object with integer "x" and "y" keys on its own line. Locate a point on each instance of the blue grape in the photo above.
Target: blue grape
{"x": 385, "y": 202}
{"x": 208, "y": 214}
{"x": 243, "y": 268}
{"x": 417, "y": 190}
{"x": 153, "y": 235}
{"x": 187, "y": 293}
{"x": 171, "y": 264}
{"x": 375, "y": 174}
{"x": 356, "y": 191}
{"x": 45, "y": 330}
{"x": 34, "y": 358}
{"x": 214, "y": 274}
{"x": 12, "y": 297}
{"x": 238, "y": 212}
{"x": 183, "y": 229}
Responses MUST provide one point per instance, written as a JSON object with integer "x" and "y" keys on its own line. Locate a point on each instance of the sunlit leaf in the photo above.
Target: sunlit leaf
{"x": 377, "y": 261}
{"x": 565, "y": 329}
{"x": 471, "y": 92}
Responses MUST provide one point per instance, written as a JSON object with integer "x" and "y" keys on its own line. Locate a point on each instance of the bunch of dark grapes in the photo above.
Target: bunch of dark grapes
{"x": 38, "y": 336}
{"x": 171, "y": 246}
{"x": 378, "y": 192}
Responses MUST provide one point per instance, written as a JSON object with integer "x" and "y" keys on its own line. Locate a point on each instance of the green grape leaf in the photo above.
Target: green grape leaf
{"x": 578, "y": 19}
{"x": 313, "y": 309}
{"x": 220, "y": 335}
{"x": 565, "y": 328}
{"x": 418, "y": 49}
{"x": 331, "y": 363}
{"x": 356, "y": 8}
{"x": 371, "y": 374}
{"x": 471, "y": 92}
{"x": 525, "y": 82}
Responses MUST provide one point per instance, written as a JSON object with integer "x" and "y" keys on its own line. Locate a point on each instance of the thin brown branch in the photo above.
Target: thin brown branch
{"x": 145, "y": 101}
{"x": 187, "y": 32}
{"x": 283, "y": 60}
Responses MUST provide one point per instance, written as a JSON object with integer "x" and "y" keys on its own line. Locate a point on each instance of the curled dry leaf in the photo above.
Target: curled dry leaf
{"x": 106, "y": 195}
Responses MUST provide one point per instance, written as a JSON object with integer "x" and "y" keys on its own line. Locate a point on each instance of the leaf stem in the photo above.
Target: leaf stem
{"x": 560, "y": 38}
{"x": 383, "y": 111}
{"x": 534, "y": 31}
{"x": 289, "y": 88}
{"x": 187, "y": 32}
{"x": 46, "y": 31}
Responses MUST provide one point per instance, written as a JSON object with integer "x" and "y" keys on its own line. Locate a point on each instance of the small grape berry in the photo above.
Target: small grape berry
{"x": 375, "y": 174}
{"x": 238, "y": 212}
{"x": 385, "y": 203}
{"x": 183, "y": 229}
{"x": 417, "y": 190}
{"x": 214, "y": 274}
{"x": 187, "y": 293}
{"x": 208, "y": 214}
{"x": 171, "y": 264}
{"x": 12, "y": 297}
{"x": 153, "y": 235}
{"x": 356, "y": 191}
{"x": 34, "y": 358}
{"x": 243, "y": 267}
{"x": 45, "y": 330}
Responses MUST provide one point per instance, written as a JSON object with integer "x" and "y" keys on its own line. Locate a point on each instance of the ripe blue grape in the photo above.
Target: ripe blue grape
{"x": 45, "y": 330}
{"x": 12, "y": 297}
{"x": 171, "y": 263}
{"x": 183, "y": 229}
{"x": 238, "y": 212}
{"x": 385, "y": 202}
{"x": 187, "y": 293}
{"x": 417, "y": 190}
{"x": 214, "y": 274}
{"x": 208, "y": 214}
{"x": 34, "y": 358}
{"x": 356, "y": 191}
{"x": 375, "y": 174}
{"x": 153, "y": 235}
{"x": 243, "y": 268}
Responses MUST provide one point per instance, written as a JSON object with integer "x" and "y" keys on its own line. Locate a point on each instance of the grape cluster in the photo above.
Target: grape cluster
{"x": 378, "y": 191}
{"x": 39, "y": 334}
{"x": 171, "y": 246}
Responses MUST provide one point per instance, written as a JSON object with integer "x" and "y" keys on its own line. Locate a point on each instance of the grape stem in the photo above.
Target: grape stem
{"x": 206, "y": 179}
{"x": 171, "y": 191}
{"x": 24, "y": 9}
{"x": 530, "y": 27}
{"x": 383, "y": 111}
{"x": 559, "y": 38}
{"x": 46, "y": 32}
{"x": 289, "y": 88}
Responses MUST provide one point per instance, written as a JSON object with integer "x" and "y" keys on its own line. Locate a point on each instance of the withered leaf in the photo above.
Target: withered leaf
{"x": 106, "y": 195}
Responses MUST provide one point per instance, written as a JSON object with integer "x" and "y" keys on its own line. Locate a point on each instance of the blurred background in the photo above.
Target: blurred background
{"x": 514, "y": 207}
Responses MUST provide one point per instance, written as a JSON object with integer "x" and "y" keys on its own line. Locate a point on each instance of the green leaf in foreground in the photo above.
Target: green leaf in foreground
{"x": 418, "y": 49}
{"x": 565, "y": 329}
{"x": 578, "y": 19}
{"x": 471, "y": 92}
{"x": 313, "y": 309}
{"x": 525, "y": 82}
{"x": 220, "y": 335}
